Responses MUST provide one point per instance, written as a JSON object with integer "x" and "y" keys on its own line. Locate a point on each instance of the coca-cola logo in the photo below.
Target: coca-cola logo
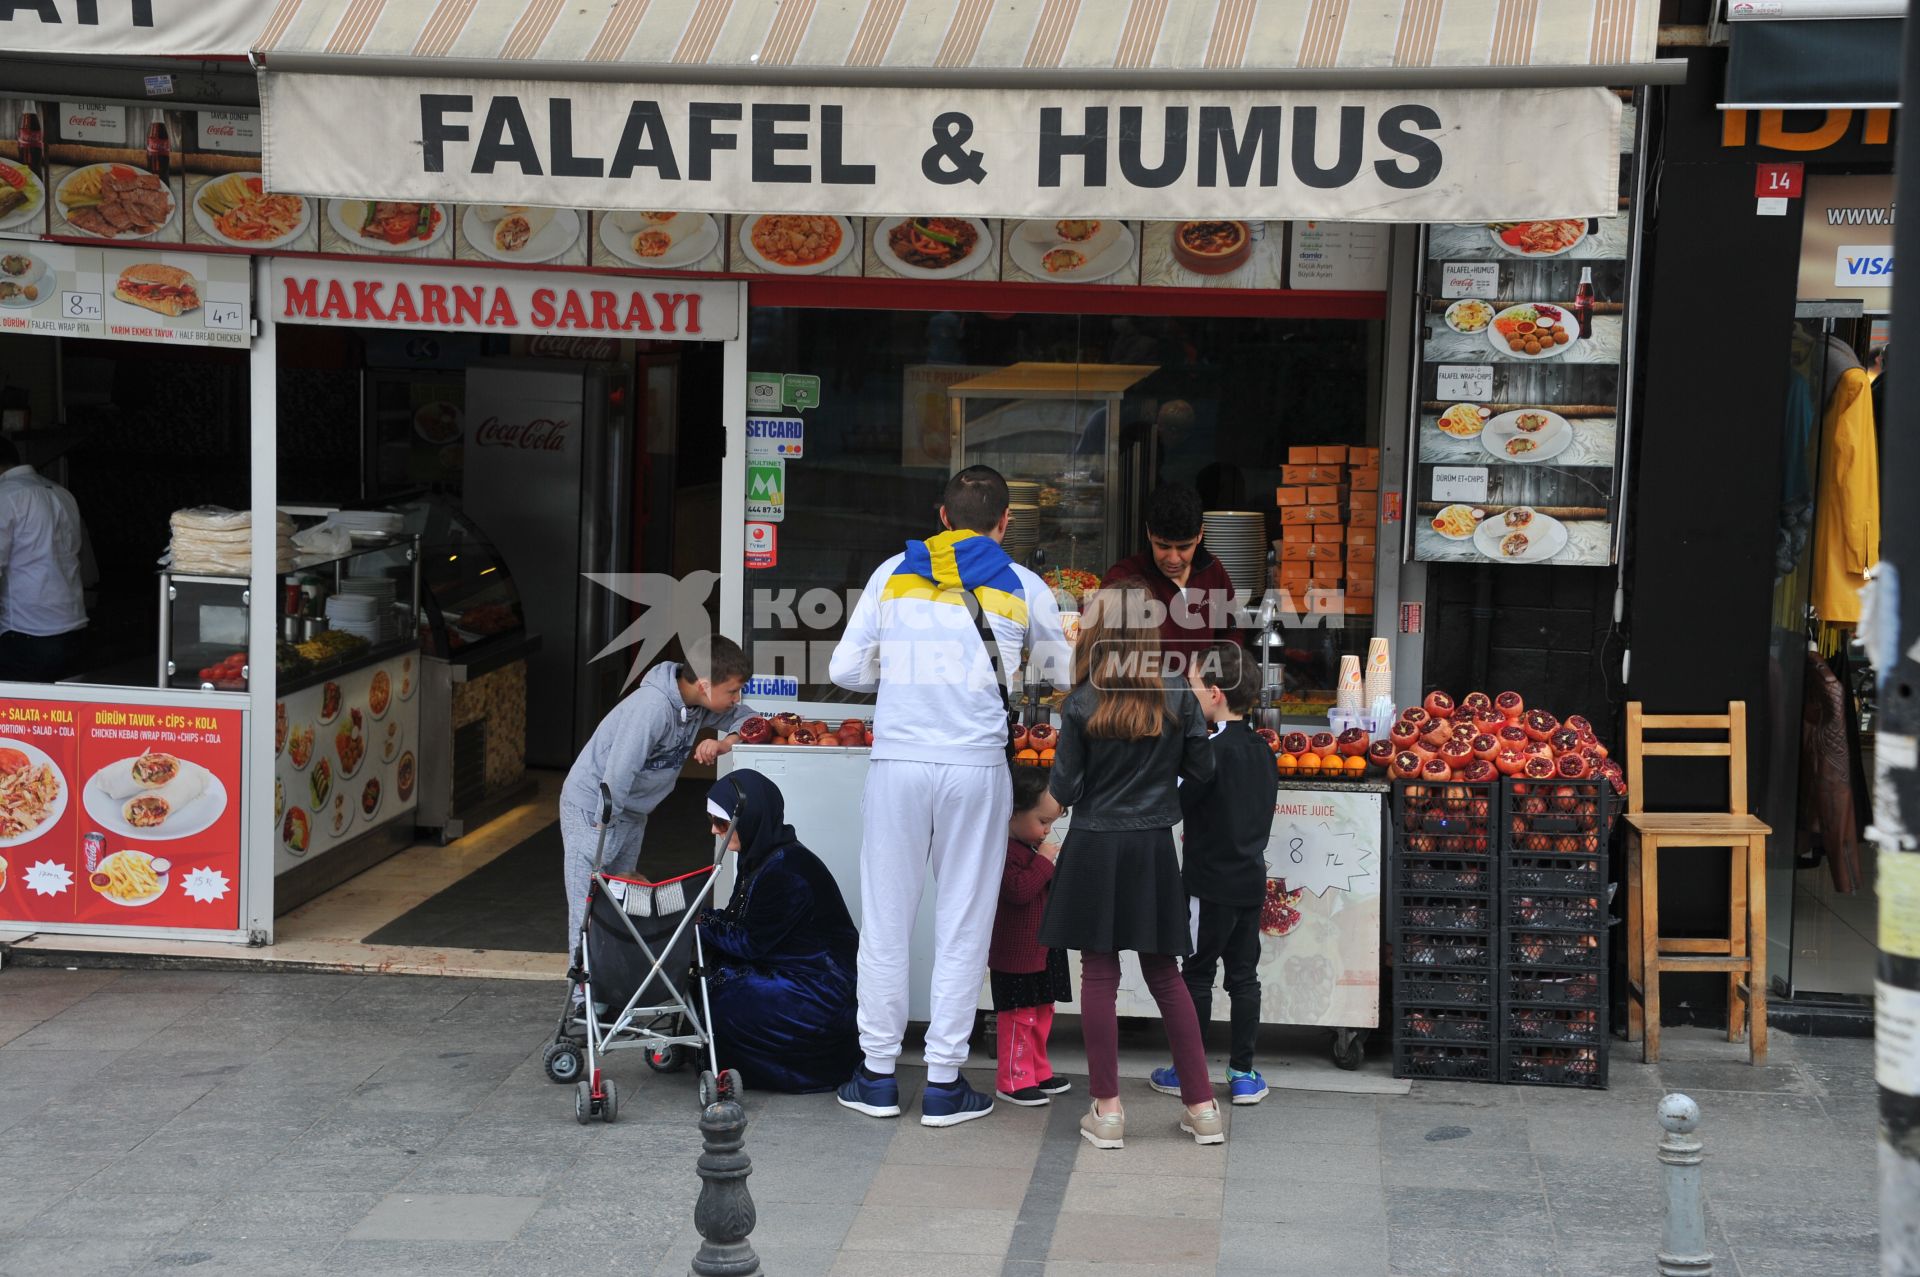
{"x": 84, "y": 121}
{"x": 590, "y": 349}
{"x": 543, "y": 434}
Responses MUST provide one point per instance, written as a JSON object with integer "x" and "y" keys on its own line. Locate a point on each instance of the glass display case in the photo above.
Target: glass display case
{"x": 468, "y": 596}
{"x": 204, "y": 619}
{"x": 1076, "y": 469}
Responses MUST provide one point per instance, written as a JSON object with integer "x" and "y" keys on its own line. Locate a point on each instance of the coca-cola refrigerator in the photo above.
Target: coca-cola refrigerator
{"x": 547, "y": 471}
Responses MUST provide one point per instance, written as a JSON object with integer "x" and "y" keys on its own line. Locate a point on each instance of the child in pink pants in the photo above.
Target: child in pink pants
{"x": 1027, "y": 977}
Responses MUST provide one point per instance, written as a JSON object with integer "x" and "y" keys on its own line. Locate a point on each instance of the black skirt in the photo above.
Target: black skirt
{"x": 1118, "y": 891}
{"x": 1013, "y": 990}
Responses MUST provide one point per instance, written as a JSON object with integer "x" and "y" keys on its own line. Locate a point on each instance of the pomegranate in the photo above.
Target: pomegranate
{"x": 1564, "y": 740}
{"x": 1277, "y": 914}
{"x": 1436, "y": 769}
{"x": 1294, "y": 743}
{"x": 1572, "y": 766}
{"x": 1480, "y": 771}
{"x": 1537, "y": 842}
{"x": 1537, "y": 768}
{"x": 755, "y": 731}
{"x": 853, "y": 723}
{"x": 1510, "y": 761}
{"x": 1579, "y": 723}
{"x": 1415, "y": 715}
{"x": 1539, "y": 724}
{"x": 1019, "y": 736}
{"x": 1424, "y": 750}
{"x": 1438, "y": 704}
{"x": 1488, "y": 718}
{"x": 1474, "y": 701}
{"x": 1041, "y": 736}
{"x": 1353, "y": 742}
{"x": 1510, "y": 704}
{"x": 802, "y": 736}
{"x": 1484, "y": 746}
{"x": 1380, "y": 754}
{"x": 784, "y": 725}
{"x": 1322, "y": 743}
{"x": 1434, "y": 737}
{"x": 849, "y": 733}
{"x": 1407, "y": 764}
{"x": 1511, "y": 736}
{"x": 1566, "y": 798}
{"x": 1600, "y": 749}
{"x": 1567, "y": 845}
{"x": 1402, "y": 734}
{"x": 1270, "y": 736}
{"x": 1456, "y": 753}
{"x": 866, "y": 737}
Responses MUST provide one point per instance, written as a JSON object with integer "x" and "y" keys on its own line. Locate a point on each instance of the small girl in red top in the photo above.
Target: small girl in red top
{"x": 1027, "y": 977}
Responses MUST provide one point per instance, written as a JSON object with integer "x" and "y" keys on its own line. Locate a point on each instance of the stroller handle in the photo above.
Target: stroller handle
{"x": 606, "y": 805}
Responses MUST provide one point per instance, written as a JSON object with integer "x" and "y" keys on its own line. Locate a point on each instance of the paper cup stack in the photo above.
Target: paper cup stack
{"x": 1348, "y": 691}
{"x": 1238, "y": 538}
{"x": 1378, "y": 680}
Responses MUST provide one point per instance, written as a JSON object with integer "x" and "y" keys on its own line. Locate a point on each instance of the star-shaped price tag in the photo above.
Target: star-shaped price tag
{"x": 47, "y": 878}
{"x": 205, "y": 885}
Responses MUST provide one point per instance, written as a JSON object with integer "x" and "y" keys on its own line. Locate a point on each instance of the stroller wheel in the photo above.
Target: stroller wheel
{"x": 563, "y": 1061}
{"x": 731, "y": 1085}
{"x": 610, "y": 1103}
{"x": 667, "y": 1059}
{"x": 709, "y": 1090}
{"x": 583, "y": 1102}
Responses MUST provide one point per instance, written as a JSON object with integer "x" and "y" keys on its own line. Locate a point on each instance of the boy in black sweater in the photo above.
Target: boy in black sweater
{"x": 1224, "y": 861}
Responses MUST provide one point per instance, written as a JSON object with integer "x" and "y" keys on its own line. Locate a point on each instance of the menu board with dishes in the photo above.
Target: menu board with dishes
{"x": 346, "y": 758}
{"x": 120, "y": 815}
{"x": 1524, "y": 334}
{"x": 23, "y": 168}
{"x": 115, "y": 172}
{"x": 387, "y": 228}
{"x": 628, "y": 240}
{"x": 932, "y": 248}
{"x": 1072, "y": 250}
{"x": 177, "y": 298}
{"x": 520, "y": 234}
{"x": 228, "y": 203}
{"x": 794, "y": 244}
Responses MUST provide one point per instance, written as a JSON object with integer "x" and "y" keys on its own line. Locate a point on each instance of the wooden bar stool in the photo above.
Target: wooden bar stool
{"x": 1743, "y": 954}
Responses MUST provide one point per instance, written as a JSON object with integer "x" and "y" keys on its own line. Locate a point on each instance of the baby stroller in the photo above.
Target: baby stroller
{"x": 637, "y": 950}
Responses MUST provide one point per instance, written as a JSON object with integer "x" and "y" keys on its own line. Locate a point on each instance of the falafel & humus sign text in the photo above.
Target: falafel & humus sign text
{"x": 1376, "y": 155}
{"x": 510, "y": 303}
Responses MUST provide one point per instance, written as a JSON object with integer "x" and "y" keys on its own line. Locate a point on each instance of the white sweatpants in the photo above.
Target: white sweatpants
{"x": 953, "y": 820}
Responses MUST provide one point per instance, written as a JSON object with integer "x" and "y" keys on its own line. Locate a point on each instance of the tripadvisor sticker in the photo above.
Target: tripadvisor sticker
{"x": 799, "y": 391}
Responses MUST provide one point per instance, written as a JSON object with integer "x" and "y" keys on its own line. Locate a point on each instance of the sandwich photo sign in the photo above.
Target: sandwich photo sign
{"x": 72, "y": 290}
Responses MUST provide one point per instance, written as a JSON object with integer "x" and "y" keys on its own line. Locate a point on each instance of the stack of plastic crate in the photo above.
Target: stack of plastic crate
{"x": 1553, "y": 931}
{"x": 1445, "y": 931}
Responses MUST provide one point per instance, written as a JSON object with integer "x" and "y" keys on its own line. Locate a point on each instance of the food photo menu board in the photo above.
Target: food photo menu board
{"x": 69, "y": 290}
{"x": 120, "y": 815}
{"x": 228, "y": 203}
{"x": 345, "y": 758}
{"x": 1522, "y": 383}
{"x": 23, "y": 168}
{"x": 114, "y": 172}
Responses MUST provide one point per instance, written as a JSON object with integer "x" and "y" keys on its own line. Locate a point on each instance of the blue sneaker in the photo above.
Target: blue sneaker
{"x": 1166, "y": 1081}
{"x": 952, "y": 1104}
{"x": 1247, "y": 1088}
{"x": 876, "y": 1097}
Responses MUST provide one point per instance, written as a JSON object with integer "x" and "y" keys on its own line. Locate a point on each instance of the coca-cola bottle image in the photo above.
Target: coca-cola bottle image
{"x": 159, "y": 151}
{"x": 33, "y": 142}
{"x": 1583, "y": 302}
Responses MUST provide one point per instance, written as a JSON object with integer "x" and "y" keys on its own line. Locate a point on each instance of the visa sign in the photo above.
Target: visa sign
{"x": 1868, "y": 265}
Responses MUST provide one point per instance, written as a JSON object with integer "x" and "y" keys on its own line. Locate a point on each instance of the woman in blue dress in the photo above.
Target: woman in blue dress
{"x": 782, "y": 952}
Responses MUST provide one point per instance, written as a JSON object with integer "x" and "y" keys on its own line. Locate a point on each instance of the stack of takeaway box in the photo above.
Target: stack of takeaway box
{"x": 1329, "y": 499}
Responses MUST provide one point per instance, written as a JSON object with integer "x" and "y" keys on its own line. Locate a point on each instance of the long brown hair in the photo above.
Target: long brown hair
{"x": 1118, "y": 652}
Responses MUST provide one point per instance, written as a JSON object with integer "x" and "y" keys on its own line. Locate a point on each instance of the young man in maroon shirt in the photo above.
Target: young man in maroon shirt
{"x": 1179, "y": 572}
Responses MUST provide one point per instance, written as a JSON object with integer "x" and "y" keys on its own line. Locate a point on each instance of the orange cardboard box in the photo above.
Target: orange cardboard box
{"x": 1317, "y": 513}
{"x": 1369, "y": 457}
{"x": 1297, "y": 551}
{"x": 1361, "y": 574}
{"x": 1289, "y": 496}
{"x": 1292, "y": 574}
{"x": 1295, "y": 514}
{"x": 1313, "y": 474}
{"x": 1295, "y": 474}
{"x": 1330, "y": 553}
{"x": 1359, "y": 534}
{"x": 1330, "y": 532}
{"x": 1324, "y": 602}
{"x": 1334, "y": 456}
{"x": 1296, "y": 532}
{"x": 1302, "y": 456}
{"x": 1365, "y": 480}
{"x": 1359, "y": 604}
{"x": 1364, "y": 503}
{"x": 1323, "y": 495}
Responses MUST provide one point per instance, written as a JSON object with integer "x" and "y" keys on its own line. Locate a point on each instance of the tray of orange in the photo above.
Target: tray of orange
{"x": 1321, "y": 756}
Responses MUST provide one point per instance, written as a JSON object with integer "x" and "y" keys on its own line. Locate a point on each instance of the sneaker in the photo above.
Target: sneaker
{"x": 951, "y": 1104}
{"x": 1207, "y": 1127}
{"x": 1247, "y": 1088}
{"x": 874, "y": 1096}
{"x": 1055, "y": 1085}
{"x": 1027, "y": 1097}
{"x": 1104, "y": 1132}
{"x": 1166, "y": 1081}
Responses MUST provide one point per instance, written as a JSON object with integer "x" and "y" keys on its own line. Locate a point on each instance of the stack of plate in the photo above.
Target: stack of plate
{"x": 1023, "y": 531}
{"x": 367, "y": 525}
{"x": 356, "y": 614}
{"x": 1023, "y": 492}
{"x": 381, "y": 591}
{"x": 1238, "y": 538}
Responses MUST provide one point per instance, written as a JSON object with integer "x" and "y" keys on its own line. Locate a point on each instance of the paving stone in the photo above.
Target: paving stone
{"x": 450, "y": 1217}
{"x": 1331, "y": 1244}
{"x": 1079, "y": 1268}
{"x": 521, "y": 1173}
{"x": 311, "y": 1217}
{"x": 1428, "y": 1166}
{"x": 1160, "y": 1196}
{"x": 88, "y": 1216}
{"x": 995, "y": 1140}
{"x": 982, "y": 1187}
{"x": 22, "y": 1201}
{"x": 1274, "y": 1122}
{"x": 857, "y": 1263}
{"x": 1347, "y": 1165}
{"x": 1306, "y": 1200}
{"x": 1470, "y": 1209}
{"x": 1860, "y": 1262}
{"x": 1454, "y": 1133}
{"x": 1105, "y": 1238}
{"x": 644, "y": 1222}
{"x": 410, "y": 1259}
{"x": 793, "y": 1226}
{"x": 96, "y": 1257}
{"x": 923, "y": 1229}
{"x": 223, "y": 1257}
{"x": 1429, "y": 1252}
{"x": 1690, "y": 1076}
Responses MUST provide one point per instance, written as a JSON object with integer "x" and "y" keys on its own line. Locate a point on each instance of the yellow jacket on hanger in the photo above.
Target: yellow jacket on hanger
{"x": 1846, "y": 528}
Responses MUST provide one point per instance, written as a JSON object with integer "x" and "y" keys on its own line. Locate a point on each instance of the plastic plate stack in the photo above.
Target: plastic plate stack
{"x": 369, "y": 525}
{"x": 1023, "y": 531}
{"x": 364, "y": 606}
{"x": 1238, "y": 538}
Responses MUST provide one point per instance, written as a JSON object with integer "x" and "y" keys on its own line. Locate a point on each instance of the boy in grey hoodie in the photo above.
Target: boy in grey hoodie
{"x": 638, "y": 751}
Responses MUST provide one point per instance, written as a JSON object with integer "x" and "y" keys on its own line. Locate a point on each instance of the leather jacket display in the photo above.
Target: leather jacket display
{"x": 1115, "y": 785}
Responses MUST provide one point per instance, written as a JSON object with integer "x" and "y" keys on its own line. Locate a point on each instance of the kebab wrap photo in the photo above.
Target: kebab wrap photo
{"x": 154, "y": 807}
{"x": 134, "y": 776}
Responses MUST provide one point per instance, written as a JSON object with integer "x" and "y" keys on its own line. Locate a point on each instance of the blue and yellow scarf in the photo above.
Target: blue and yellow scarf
{"x": 939, "y": 568}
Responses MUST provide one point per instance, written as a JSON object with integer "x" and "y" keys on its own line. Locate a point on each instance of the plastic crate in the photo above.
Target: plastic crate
{"x": 1522, "y": 872}
{"x": 1443, "y": 875}
{"x": 1445, "y": 913}
{"x": 1526, "y": 948}
{"x": 1462, "y": 814}
{"x": 1555, "y": 1025}
{"x": 1444, "y": 1061}
{"x": 1557, "y": 817}
{"x": 1456, "y": 950}
{"x": 1554, "y": 987}
{"x": 1421, "y": 986}
{"x": 1539, "y": 1064}
{"x": 1428, "y": 1023}
{"x": 1554, "y": 911}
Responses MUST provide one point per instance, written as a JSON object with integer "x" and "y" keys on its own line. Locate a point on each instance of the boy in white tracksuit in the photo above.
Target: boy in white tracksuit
{"x": 938, "y": 793}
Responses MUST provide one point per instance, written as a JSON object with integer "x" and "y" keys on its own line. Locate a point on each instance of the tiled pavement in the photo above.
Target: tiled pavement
{"x": 212, "y": 1123}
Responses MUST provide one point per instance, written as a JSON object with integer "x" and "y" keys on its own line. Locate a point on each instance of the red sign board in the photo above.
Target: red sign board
{"x": 1778, "y": 181}
{"x": 120, "y": 815}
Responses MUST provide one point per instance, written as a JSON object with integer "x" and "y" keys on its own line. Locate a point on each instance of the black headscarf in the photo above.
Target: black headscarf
{"x": 759, "y": 812}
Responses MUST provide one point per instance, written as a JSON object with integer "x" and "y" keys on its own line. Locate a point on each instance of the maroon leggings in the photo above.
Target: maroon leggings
{"x": 1100, "y": 1023}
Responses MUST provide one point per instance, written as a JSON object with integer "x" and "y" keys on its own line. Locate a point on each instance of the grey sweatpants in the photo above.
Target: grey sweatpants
{"x": 579, "y": 836}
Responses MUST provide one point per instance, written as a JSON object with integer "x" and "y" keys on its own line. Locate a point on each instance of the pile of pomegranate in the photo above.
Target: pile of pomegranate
{"x": 1481, "y": 738}
{"x": 791, "y": 729}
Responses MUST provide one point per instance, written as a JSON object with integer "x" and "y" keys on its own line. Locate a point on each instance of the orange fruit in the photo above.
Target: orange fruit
{"x": 1046, "y": 758}
{"x": 1356, "y": 764}
{"x": 1027, "y": 756}
{"x": 1309, "y": 764}
{"x": 1288, "y": 762}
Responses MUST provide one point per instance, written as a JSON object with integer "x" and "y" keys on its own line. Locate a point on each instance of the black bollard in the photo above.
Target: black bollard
{"x": 724, "y": 1214}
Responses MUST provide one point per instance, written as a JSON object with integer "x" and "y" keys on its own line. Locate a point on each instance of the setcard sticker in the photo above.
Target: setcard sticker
{"x": 783, "y": 437}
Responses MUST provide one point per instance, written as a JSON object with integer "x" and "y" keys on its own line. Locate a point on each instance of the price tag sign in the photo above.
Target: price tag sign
{"x": 228, "y": 316}
{"x": 1459, "y": 483}
{"x": 81, "y": 306}
{"x": 1470, "y": 279}
{"x": 1321, "y": 842}
{"x": 1467, "y": 383}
